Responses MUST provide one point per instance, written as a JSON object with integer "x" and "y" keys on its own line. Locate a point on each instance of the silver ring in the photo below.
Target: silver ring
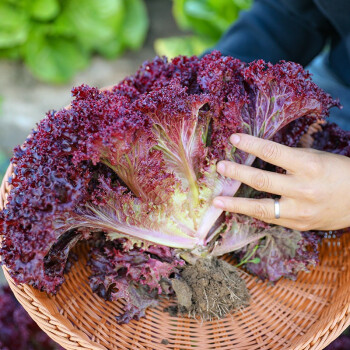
{"x": 277, "y": 208}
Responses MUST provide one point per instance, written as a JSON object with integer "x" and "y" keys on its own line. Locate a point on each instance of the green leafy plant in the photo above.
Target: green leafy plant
{"x": 247, "y": 258}
{"x": 207, "y": 19}
{"x": 56, "y": 38}
{"x": 3, "y": 157}
{"x": 4, "y": 161}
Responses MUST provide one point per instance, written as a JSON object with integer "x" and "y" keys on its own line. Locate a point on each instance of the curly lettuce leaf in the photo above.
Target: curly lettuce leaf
{"x": 282, "y": 253}
{"x": 139, "y": 161}
{"x": 136, "y": 274}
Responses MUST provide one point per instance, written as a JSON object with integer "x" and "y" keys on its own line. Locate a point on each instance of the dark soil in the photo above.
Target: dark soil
{"x": 211, "y": 288}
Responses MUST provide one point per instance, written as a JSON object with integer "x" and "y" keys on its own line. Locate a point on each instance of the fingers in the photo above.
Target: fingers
{"x": 292, "y": 215}
{"x": 260, "y": 180}
{"x": 262, "y": 209}
{"x": 274, "y": 153}
{"x": 297, "y": 188}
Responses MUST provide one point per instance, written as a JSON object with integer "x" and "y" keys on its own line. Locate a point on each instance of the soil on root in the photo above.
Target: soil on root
{"x": 211, "y": 288}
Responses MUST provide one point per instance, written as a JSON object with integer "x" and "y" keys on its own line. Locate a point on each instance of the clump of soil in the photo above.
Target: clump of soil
{"x": 211, "y": 288}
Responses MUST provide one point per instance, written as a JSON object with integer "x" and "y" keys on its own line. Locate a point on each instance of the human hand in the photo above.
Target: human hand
{"x": 315, "y": 191}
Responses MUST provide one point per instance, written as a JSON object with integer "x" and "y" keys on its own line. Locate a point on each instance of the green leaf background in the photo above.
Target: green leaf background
{"x": 57, "y": 38}
{"x": 207, "y": 19}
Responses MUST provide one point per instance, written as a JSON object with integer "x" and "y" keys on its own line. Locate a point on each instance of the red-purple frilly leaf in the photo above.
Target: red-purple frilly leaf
{"x": 178, "y": 131}
{"x": 136, "y": 274}
{"x": 17, "y": 330}
{"x": 281, "y": 93}
{"x": 282, "y": 253}
{"x": 332, "y": 139}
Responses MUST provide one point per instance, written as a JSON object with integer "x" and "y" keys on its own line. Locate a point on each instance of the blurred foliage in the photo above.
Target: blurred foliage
{"x": 4, "y": 159}
{"x": 56, "y": 38}
{"x": 207, "y": 19}
{"x": 4, "y": 162}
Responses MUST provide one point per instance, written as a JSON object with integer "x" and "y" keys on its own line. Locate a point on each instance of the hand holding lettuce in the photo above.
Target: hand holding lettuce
{"x": 311, "y": 191}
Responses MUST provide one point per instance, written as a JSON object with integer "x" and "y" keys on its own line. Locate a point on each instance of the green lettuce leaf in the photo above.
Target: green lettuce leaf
{"x": 54, "y": 59}
{"x": 44, "y": 10}
{"x": 135, "y": 23}
{"x": 184, "y": 45}
{"x": 208, "y": 19}
{"x": 13, "y": 26}
{"x": 93, "y": 22}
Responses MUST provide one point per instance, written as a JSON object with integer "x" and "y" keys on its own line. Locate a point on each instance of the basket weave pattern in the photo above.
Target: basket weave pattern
{"x": 306, "y": 314}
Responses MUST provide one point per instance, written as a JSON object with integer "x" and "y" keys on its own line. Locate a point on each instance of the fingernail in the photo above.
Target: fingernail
{"x": 235, "y": 139}
{"x": 218, "y": 203}
{"x": 220, "y": 167}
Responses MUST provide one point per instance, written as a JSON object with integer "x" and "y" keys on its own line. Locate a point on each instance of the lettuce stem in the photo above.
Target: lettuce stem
{"x": 213, "y": 213}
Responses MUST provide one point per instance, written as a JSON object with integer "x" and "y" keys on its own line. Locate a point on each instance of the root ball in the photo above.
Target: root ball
{"x": 211, "y": 288}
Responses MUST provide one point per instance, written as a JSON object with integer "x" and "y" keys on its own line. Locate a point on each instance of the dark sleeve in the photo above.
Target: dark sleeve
{"x": 293, "y": 30}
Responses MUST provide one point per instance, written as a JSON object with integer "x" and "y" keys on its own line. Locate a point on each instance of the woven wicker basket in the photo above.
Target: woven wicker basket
{"x": 306, "y": 314}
